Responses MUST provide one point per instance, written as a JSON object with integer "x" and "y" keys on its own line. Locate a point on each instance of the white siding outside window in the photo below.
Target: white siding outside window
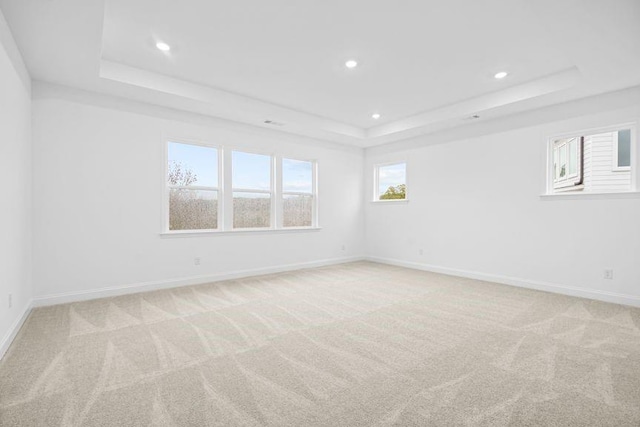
{"x": 600, "y": 175}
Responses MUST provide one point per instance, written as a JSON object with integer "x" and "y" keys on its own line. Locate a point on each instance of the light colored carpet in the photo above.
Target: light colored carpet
{"x": 349, "y": 345}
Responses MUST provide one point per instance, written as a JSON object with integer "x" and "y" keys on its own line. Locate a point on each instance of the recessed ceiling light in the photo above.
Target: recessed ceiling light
{"x": 501, "y": 75}
{"x": 163, "y": 46}
{"x": 352, "y": 63}
{"x": 375, "y": 116}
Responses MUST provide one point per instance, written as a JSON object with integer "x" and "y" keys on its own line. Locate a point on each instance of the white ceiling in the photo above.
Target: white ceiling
{"x": 423, "y": 66}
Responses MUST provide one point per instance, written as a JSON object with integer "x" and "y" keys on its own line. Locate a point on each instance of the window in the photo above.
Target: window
{"x": 213, "y": 189}
{"x": 595, "y": 161}
{"x": 622, "y": 150}
{"x": 567, "y": 164}
{"x": 390, "y": 182}
{"x": 298, "y": 198}
{"x": 252, "y": 190}
{"x": 193, "y": 187}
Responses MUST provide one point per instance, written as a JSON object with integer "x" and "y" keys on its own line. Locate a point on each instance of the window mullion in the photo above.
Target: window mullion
{"x": 250, "y": 190}
{"x": 278, "y": 200}
{"x": 314, "y": 193}
{"x": 296, "y": 193}
{"x": 227, "y": 205}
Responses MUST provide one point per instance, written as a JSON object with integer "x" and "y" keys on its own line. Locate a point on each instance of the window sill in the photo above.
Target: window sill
{"x": 390, "y": 201}
{"x": 591, "y": 196}
{"x": 200, "y": 233}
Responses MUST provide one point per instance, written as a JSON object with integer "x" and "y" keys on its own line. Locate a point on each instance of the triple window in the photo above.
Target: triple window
{"x": 209, "y": 189}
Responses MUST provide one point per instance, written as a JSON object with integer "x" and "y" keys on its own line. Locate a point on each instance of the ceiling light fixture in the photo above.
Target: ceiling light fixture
{"x": 163, "y": 46}
{"x": 352, "y": 63}
{"x": 501, "y": 75}
{"x": 375, "y": 116}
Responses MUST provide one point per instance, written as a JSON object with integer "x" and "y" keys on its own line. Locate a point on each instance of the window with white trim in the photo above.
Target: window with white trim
{"x": 298, "y": 193}
{"x": 567, "y": 162}
{"x": 390, "y": 182}
{"x": 215, "y": 189}
{"x": 192, "y": 180}
{"x": 594, "y": 161}
{"x": 252, "y": 190}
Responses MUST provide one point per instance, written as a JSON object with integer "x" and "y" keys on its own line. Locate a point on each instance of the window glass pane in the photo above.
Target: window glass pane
{"x": 251, "y": 210}
{"x": 251, "y": 171}
{"x": 192, "y": 165}
{"x": 193, "y": 209}
{"x": 296, "y": 176}
{"x": 392, "y": 181}
{"x": 624, "y": 148}
{"x": 297, "y": 210}
{"x": 562, "y": 161}
{"x": 573, "y": 157}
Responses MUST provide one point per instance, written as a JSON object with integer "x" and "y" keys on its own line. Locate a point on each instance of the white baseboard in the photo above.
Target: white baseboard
{"x": 606, "y": 296}
{"x": 14, "y": 329}
{"x": 111, "y": 291}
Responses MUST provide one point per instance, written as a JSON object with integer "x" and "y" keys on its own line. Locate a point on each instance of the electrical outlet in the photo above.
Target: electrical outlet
{"x": 10, "y": 300}
{"x": 608, "y": 274}
{"x": 420, "y": 252}
{"x": 196, "y": 261}
{"x": 344, "y": 247}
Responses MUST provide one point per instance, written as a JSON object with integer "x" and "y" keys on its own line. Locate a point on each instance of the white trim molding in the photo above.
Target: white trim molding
{"x": 555, "y": 288}
{"x": 14, "y": 329}
{"x": 591, "y": 195}
{"x": 200, "y": 233}
{"x": 111, "y": 291}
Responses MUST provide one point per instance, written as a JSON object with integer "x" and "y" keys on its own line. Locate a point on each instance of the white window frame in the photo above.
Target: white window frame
{"x": 635, "y": 173}
{"x": 167, "y": 187}
{"x": 570, "y": 182}
{"x": 376, "y": 182}
{"x": 614, "y": 160}
{"x": 282, "y": 193}
{"x": 271, "y": 191}
{"x": 225, "y": 191}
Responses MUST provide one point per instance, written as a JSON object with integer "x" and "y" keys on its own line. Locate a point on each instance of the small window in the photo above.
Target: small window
{"x": 193, "y": 187}
{"x": 391, "y": 182}
{"x": 596, "y": 161}
{"x": 567, "y": 163}
{"x": 622, "y": 150}
{"x": 298, "y": 197}
{"x": 252, "y": 190}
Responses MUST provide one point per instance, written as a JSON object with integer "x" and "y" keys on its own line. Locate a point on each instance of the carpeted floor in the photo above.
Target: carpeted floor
{"x": 349, "y": 345}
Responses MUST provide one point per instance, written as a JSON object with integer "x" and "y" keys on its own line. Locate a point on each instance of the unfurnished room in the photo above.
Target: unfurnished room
{"x": 320, "y": 213}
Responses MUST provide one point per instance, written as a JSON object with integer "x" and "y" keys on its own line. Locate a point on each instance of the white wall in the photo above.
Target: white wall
{"x": 475, "y": 205}
{"x": 15, "y": 176}
{"x": 475, "y": 209}
{"x": 98, "y": 182}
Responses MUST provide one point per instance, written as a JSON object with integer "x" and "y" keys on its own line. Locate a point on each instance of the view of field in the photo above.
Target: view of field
{"x": 198, "y": 210}
{"x": 193, "y": 209}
